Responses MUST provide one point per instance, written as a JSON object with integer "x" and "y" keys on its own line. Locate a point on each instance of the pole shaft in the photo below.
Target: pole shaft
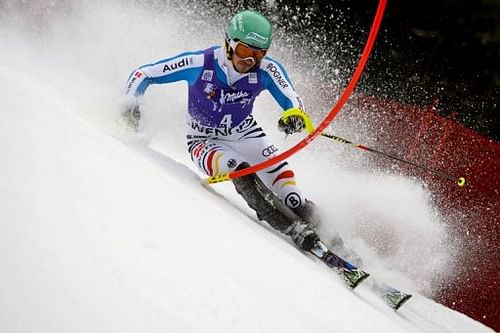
{"x": 375, "y": 151}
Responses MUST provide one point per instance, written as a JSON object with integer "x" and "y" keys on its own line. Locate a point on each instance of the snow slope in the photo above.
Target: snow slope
{"x": 105, "y": 231}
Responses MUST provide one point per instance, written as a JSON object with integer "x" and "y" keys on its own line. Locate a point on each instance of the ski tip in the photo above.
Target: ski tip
{"x": 401, "y": 302}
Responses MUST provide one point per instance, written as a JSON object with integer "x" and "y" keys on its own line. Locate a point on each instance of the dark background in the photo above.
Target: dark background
{"x": 443, "y": 50}
{"x": 447, "y": 50}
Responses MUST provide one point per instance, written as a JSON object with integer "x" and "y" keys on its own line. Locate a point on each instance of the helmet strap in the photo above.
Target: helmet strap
{"x": 229, "y": 51}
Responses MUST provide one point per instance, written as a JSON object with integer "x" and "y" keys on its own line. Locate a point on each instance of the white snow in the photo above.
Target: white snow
{"x": 102, "y": 230}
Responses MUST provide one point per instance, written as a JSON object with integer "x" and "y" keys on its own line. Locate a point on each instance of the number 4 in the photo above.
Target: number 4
{"x": 226, "y": 120}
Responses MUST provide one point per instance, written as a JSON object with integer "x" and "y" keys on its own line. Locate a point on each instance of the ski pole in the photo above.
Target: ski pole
{"x": 459, "y": 181}
{"x": 309, "y": 127}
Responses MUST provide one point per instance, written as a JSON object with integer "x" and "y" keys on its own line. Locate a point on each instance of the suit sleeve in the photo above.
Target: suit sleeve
{"x": 276, "y": 81}
{"x": 183, "y": 67}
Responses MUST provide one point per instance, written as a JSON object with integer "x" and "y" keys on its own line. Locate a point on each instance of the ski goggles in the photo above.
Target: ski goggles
{"x": 246, "y": 51}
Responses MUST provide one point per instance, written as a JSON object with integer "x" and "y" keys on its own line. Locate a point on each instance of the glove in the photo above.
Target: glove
{"x": 292, "y": 124}
{"x": 132, "y": 116}
{"x": 294, "y": 120}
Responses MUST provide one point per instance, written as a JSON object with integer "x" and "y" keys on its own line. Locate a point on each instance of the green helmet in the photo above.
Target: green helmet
{"x": 250, "y": 27}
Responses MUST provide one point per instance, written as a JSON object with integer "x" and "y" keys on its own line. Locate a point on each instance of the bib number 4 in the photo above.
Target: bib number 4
{"x": 226, "y": 121}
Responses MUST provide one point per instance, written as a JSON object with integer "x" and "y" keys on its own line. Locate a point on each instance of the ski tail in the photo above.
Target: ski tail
{"x": 391, "y": 296}
{"x": 395, "y": 298}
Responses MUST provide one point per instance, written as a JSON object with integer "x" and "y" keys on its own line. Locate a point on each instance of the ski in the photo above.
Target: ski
{"x": 394, "y": 298}
{"x": 353, "y": 276}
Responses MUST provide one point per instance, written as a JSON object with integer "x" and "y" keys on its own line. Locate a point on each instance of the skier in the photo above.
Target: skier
{"x": 222, "y": 134}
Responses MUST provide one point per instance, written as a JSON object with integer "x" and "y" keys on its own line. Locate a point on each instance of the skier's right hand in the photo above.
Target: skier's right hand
{"x": 132, "y": 116}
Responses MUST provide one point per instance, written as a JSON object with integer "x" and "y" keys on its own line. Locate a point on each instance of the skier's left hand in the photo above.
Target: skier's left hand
{"x": 132, "y": 116}
{"x": 294, "y": 120}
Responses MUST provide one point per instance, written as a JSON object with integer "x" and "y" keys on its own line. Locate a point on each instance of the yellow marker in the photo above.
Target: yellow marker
{"x": 218, "y": 178}
{"x": 461, "y": 182}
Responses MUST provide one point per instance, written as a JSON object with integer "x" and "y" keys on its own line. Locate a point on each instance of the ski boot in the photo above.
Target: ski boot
{"x": 309, "y": 213}
{"x": 303, "y": 235}
{"x": 338, "y": 246}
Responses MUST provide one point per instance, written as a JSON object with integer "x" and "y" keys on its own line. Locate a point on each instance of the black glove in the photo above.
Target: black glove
{"x": 292, "y": 124}
{"x": 132, "y": 116}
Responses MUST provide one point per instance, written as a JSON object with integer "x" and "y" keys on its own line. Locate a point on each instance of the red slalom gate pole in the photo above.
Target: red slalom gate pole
{"x": 328, "y": 119}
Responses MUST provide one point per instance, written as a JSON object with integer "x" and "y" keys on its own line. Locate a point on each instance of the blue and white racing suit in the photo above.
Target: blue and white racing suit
{"x": 221, "y": 131}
